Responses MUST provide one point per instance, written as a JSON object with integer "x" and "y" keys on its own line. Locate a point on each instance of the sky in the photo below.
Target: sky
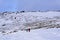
{"x": 8, "y": 5}
{"x": 29, "y": 5}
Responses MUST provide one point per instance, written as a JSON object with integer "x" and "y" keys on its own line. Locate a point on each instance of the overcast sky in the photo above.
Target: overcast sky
{"x": 29, "y": 5}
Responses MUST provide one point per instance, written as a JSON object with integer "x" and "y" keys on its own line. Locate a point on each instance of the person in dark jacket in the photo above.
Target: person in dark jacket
{"x": 28, "y": 30}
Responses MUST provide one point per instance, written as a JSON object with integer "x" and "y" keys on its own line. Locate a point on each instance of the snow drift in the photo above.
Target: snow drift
{"x": 12, "y": 22}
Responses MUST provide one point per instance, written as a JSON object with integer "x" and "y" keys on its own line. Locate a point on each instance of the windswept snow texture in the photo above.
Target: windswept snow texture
{"x": 12, "y": 24}
{"x": 39, "y": 34}
{"x": 18, "y": 21}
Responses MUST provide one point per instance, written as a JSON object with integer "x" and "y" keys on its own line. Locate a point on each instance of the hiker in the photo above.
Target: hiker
{"x": 29, "y": 30}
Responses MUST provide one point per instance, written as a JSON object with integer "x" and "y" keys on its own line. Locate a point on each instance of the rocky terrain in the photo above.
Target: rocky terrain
{"x": 14, "y": 21}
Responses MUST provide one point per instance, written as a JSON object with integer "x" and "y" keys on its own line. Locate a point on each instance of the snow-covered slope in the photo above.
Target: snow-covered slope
{"x": 39, "y": 34}
{"x": 21, "y": 21}
{"x": 12, "y": 24}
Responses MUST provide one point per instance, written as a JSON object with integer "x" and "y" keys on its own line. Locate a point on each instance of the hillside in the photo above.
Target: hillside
{"x": 10, "y": 22}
